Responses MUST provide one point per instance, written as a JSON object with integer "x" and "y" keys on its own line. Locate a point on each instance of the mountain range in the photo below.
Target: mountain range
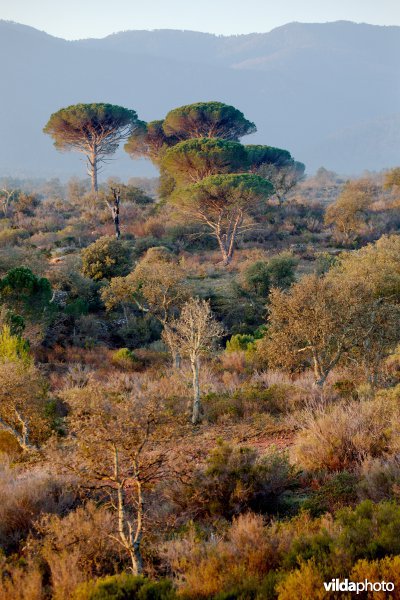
{"x": 328, "y": 92}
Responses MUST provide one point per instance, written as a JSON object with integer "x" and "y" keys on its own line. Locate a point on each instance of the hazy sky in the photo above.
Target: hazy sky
{"x": 72, "y": 19}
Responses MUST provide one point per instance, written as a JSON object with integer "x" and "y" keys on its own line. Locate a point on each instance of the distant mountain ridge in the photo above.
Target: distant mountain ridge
{"x": 330, "y": 93}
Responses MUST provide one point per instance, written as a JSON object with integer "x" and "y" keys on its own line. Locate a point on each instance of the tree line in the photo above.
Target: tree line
{"x": 206, "y": 173}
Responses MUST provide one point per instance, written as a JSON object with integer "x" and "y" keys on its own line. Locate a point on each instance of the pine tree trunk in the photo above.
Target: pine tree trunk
{"x": 93, "y": 171}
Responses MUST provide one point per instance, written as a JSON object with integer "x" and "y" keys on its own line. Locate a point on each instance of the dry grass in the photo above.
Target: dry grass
{"x": 21, "y": 583}
{"x": 342, "y": 436}
{"x": 25, "y": 497}
{"x": 78, "y": 547}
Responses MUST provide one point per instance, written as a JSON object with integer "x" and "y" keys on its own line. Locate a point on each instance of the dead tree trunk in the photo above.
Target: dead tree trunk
{"x": 21, "y": 437}
{"x": 129, "y": 536}
{"x": 115, "y": 211}
{"x": 196, "y": 414}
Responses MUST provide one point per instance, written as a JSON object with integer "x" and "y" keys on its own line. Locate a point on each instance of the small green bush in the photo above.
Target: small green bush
{"x": 124, "y": 357}
{"x": 339, "y": 490}
{"x": 107, "y": 257}
{"x": 125, "y": 587}
{"x": 261, "y": 276}
{"x": 77, "y": 307}
{"x": 247, "y": 400}
{"x": 11, "y": 236}
{"x": 217, "y": 406}
{"x": 237, "y": 479}
{"x": 252, "y": 589}
{"x": 370, "y": 530}
{"x": 239, "y": 342}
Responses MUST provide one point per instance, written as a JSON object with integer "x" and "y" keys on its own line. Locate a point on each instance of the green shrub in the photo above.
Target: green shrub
{"x": 123, "y": 357}
{"x": 77, "y": 307}
{"x": 221, "y": 405}
{"x": 107, "y": 257}
{"x": 237, "y": 479}
{"x": 125, "y": 587}
{"x": 239, "y": 342}
{"x": 247, "y": 400}
{"x": 339, "y": 490}
{"x": 13, "y": 348}
{"x": 272, "y": 399}
{"x": 138, "y": 331}
{"x": 278, "y": 272}
{"x": 257, "y": 278}
{"x": 370, "y": 530}
{"x": 11, "y": 236}
{"x": 21, "y": 289}
{"x": 252, "y": 589}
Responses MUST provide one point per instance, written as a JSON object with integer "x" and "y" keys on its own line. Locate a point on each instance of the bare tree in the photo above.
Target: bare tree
{"x": 284, "y": 178}
{"x": 115, "y": 445}
{"x": 115, "y": 210}
{"x": 194, "y": 333}
{"x": 7, "y": 195}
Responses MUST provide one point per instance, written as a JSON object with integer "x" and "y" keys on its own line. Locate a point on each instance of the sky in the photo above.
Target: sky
{"x": 75, "y": 19}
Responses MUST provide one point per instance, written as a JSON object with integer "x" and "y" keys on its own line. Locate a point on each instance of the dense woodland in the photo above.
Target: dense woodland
{"x": 199, "y": 373}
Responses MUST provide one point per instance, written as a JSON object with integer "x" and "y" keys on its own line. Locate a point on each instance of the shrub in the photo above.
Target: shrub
{"x": 221, "y": 405}
{"x": 77, "y": 307}
{"x": 346, "y": 389}
{"x": 22, "y": 290}
{"x": 370, "y": 530}
{"x": 245, "y": 341}
{"x": 302, "y": 584}
{"x": 9, "y": 237}
{"x": 342, "y": 436}
{"x": 90, "y": 331}
{"x": 137, "y": 331}
{"x": 236, "y": 479}
{"x": 124, "y": 358}
{"x": 257, "y": 278}
{"x": 249, "y": 399}
{"x": 337, "y": 491}
{"x": 17, "y": 256}
{"x": 252, "y": 589}
{"x": 125, "y": 587}
{"x": 235, "y": 560}
{"x": 107, "y": 257}
{"x": 386, "y": 569}
{"x": 279, "y": 272}
{"x": 24, "y": 498}
{"x": 282, "y": 270}
{"x": 271, "y": 399}
{"x": 13, "y": 348}
{"x": 240, "y": 341}
{"x": 78, "y": 547}
{"x": 21, "y": 582}
{"x": 380, "y": 479}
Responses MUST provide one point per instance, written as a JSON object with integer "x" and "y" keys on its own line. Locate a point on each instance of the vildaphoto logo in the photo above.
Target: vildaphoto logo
{"x": 337, "y": 585}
